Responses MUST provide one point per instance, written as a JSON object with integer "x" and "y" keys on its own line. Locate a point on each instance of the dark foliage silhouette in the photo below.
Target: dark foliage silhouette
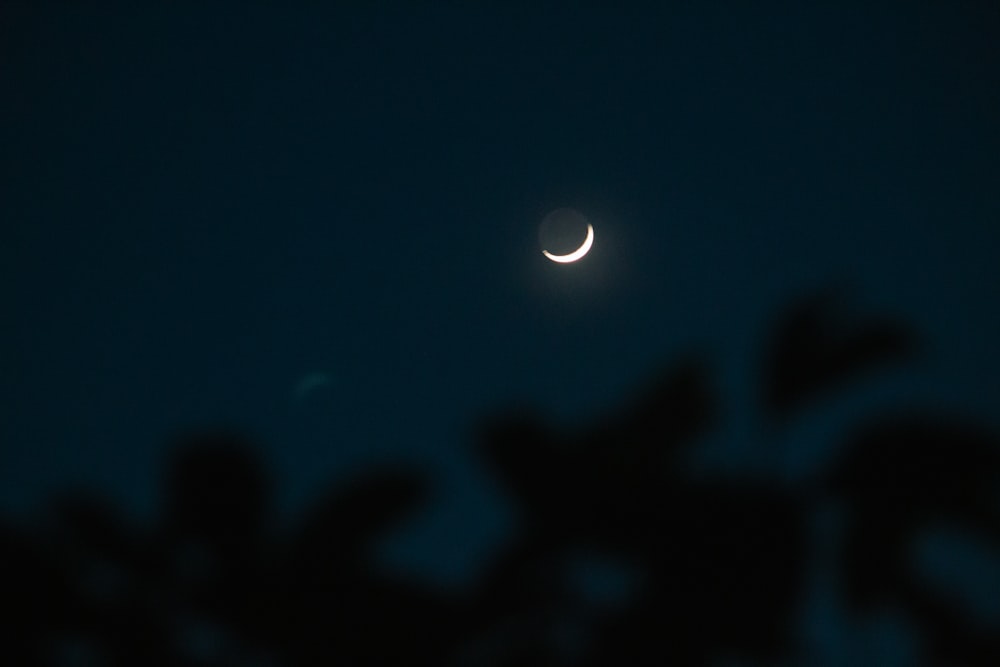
{"x": 710, "y": 567}
{"x": 901, "y": 478}
{"x": 818, "y": 346}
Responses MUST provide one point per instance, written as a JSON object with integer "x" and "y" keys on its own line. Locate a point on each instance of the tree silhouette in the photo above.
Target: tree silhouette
{"x": 714, "y": 568}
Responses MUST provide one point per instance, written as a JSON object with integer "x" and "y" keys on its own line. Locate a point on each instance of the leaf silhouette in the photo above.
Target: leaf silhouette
{"x": 900, "y": 478}
{"x": 818, "y": 346}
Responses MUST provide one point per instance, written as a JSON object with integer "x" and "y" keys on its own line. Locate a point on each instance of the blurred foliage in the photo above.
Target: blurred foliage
{"x": 623, "y": 557}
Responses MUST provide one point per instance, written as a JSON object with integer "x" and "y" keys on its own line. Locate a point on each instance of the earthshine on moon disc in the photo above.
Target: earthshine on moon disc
{"x": 562, "y": 229}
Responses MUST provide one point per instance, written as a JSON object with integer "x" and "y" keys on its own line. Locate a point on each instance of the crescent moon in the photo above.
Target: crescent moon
{"x": 576, "y": 254}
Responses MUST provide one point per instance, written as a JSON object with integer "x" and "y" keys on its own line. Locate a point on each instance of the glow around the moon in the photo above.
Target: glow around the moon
{"x": 576, "y": 254}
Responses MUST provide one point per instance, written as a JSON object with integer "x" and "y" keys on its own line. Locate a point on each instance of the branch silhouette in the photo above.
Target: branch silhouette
{"x": 708, "y": 567}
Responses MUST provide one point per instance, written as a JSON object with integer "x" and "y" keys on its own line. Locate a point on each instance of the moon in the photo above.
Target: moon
{"x": 576, "y": 254}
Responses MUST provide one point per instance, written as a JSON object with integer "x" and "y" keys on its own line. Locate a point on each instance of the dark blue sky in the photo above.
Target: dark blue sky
{"x": 200, "y": 207}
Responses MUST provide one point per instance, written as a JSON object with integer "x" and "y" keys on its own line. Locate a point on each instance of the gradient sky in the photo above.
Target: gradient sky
{"x": 200, "y": 208}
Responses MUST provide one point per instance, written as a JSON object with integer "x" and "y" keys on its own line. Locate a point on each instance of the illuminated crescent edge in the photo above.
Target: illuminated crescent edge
{"x": 576, "y": 254}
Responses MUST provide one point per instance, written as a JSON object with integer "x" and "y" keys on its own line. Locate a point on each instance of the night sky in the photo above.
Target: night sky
{"x": 202, "y": 209}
